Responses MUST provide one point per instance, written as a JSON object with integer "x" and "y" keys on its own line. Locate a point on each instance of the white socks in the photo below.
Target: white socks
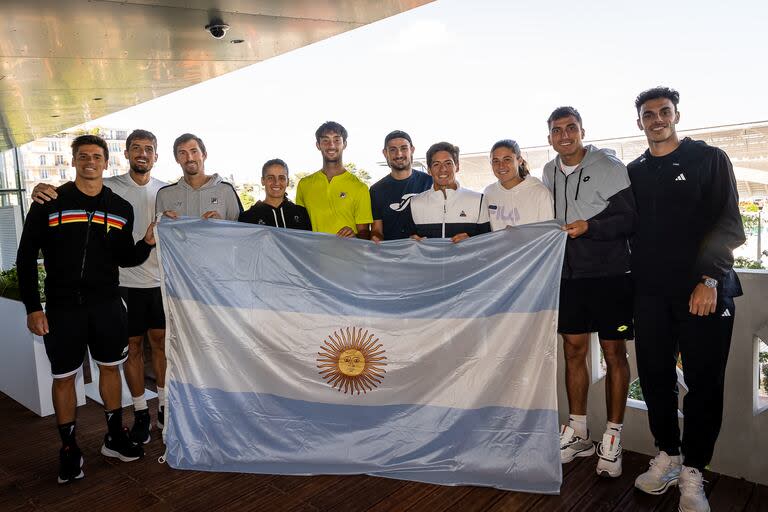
{"x": 614, "y": 429}
{"x": 139, "y": 403}
{"x": 578, "y": 423}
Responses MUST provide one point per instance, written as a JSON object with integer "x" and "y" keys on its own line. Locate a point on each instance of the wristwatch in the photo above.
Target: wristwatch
{"x": 709, "y": 282}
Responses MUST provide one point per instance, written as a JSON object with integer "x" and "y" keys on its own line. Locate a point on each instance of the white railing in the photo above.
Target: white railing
{"x": 742, "y": 448}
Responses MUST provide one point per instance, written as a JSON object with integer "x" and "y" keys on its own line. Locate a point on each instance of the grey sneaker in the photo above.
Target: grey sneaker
{"x": 692, "y": 497}
{"x": 662, "y": 473}
{"x": 572, "y": 446}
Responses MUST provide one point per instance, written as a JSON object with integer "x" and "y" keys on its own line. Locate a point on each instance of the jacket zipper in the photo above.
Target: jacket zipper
{"x": 85, "y": 253}
{"x": 445, "y": 211}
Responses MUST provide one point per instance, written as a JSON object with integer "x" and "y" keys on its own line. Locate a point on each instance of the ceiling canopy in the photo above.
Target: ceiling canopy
{"x": 65, "y": 62}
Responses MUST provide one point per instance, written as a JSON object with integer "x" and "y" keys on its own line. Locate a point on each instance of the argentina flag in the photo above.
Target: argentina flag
{"x": 299, "y": 353}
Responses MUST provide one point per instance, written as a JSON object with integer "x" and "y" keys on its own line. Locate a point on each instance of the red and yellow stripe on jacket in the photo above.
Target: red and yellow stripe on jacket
{"x": 70, "y": 216}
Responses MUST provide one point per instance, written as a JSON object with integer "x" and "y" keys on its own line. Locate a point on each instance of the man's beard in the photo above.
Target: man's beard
{"x": 140, "y": 171}
{"x": 400, "y": 167}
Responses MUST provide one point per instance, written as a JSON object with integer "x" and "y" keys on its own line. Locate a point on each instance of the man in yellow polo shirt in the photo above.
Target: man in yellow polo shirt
{"x": 338, "y": 203}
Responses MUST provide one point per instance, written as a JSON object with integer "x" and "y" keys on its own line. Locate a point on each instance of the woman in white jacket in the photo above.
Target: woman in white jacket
{"x": 517, "y": 197}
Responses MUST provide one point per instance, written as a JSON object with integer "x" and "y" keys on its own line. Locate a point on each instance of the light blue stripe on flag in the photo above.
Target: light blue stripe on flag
{"x": 501, "y": 447}
{"x": 260, "y": 267}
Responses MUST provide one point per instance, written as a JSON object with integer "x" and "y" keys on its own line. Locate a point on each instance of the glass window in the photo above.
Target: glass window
{"x": 761, "y": 380}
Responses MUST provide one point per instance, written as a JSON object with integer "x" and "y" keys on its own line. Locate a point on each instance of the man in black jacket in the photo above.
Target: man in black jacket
{"x": 276, "y": 210}
{"x": 84, "y": 234}
{"x": 682, "y": 260}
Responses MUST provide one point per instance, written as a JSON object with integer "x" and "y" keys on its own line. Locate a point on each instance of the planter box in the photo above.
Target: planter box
{"x": 25, "y": 373}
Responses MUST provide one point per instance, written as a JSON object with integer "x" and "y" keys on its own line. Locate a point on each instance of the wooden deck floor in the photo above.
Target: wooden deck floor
{"x": 29, "y": 457}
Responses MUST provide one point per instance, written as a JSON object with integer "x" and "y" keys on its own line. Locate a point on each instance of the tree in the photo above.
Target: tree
{"x": 293, "y": 182}
{"x": 750, "y": 223}
{"x": 247, "y": 194}
{"x": 351, "y": 167}
{"x": 361, "y": 174}
{"x": 90, "y": 131}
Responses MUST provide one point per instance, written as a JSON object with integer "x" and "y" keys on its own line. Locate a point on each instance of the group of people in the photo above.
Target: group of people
{"x": 648, "y": 257}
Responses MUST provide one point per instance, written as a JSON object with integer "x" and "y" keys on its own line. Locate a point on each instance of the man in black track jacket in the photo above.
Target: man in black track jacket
{"x": 682, "y": 259}
{"x": 592, "y": 197}
{"x": 84, "y": 234}
{"x": 276, "y": 210}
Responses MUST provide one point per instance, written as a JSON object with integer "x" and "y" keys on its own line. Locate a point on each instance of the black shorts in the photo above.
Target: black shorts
{"x": 145, "y": 309}
{"x": 99, "y": 325}
{"x": 597, "y": 304}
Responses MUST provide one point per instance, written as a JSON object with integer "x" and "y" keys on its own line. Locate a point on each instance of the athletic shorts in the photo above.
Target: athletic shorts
{"x": 145, "y": 309}
{"x": 99, "y": 325}
{"x": 597, "y": 304}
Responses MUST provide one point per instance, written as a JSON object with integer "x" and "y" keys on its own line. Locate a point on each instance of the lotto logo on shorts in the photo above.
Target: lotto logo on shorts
{"x": 622, "y": 328}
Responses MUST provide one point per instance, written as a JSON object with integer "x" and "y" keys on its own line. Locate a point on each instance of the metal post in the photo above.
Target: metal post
{"x": 17, "y": 162}
{"x": 760, "y": 233}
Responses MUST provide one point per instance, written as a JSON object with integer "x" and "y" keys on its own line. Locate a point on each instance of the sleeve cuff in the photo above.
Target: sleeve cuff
{"x": 33, "y": 307}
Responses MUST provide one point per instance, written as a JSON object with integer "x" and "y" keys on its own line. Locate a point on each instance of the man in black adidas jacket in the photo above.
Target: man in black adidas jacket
{"x": 682, "y": 260}
{"x": 84, "y": 234}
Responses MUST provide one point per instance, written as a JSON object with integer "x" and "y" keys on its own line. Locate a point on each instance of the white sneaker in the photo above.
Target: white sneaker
{"x": 692, "y": 497}
{"x": 609, "y": 456}
{"x": 572, "y": 446}
{"x": 663, "y": 472}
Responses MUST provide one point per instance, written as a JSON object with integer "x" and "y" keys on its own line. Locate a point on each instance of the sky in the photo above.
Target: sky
{"x": 470, "y": 73}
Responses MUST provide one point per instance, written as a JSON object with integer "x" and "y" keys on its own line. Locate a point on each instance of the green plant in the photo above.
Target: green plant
{"x": 750, "y": 222}
{"x": 361, "y": 174}
{"x": 765, "y": 376}
{"x": 246, "y": 195}
{"x": 635, "y": 392}
{"x": 744, "y": 262}
{"x": 9, "y": 283}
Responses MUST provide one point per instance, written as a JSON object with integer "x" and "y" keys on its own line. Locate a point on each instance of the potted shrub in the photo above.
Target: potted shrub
{"x": 25, "y": 373}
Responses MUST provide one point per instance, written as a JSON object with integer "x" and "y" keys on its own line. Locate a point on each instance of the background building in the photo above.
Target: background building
{"x": 746, "y": 144}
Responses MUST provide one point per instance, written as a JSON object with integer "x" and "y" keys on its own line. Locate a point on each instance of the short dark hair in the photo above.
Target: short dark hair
{"x": 141, "y": 134}
{"x": 270, "y": 163}
{"x": 561, "y": 112}
{"x": 443, "y": 146}
{"x": 331, "y": 126}
{"x": 84, "y": 140}
{"x": 522, "y": 170}
{"x": 186, "y": 137}
{"x": 657, "y": 92}
{"x": 397, "y": 134}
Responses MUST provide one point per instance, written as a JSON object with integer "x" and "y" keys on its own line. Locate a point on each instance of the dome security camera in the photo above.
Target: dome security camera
{"x": 217, "y": 28}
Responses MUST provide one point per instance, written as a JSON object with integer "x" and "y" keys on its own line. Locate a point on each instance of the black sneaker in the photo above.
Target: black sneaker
{"x": 70, "y": 464}
{"x": 140, "y": 430}
{"x": 121, "y": 447}
{"x": 160, "y": 418}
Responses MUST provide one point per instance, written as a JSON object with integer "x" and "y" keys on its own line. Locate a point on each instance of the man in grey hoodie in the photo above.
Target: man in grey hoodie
{"x": 592, "y": 197}
{"x": 197, "y": 194}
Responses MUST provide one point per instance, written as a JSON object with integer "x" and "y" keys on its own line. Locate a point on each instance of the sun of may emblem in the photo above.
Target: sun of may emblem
{"x": 351, "y": 360}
